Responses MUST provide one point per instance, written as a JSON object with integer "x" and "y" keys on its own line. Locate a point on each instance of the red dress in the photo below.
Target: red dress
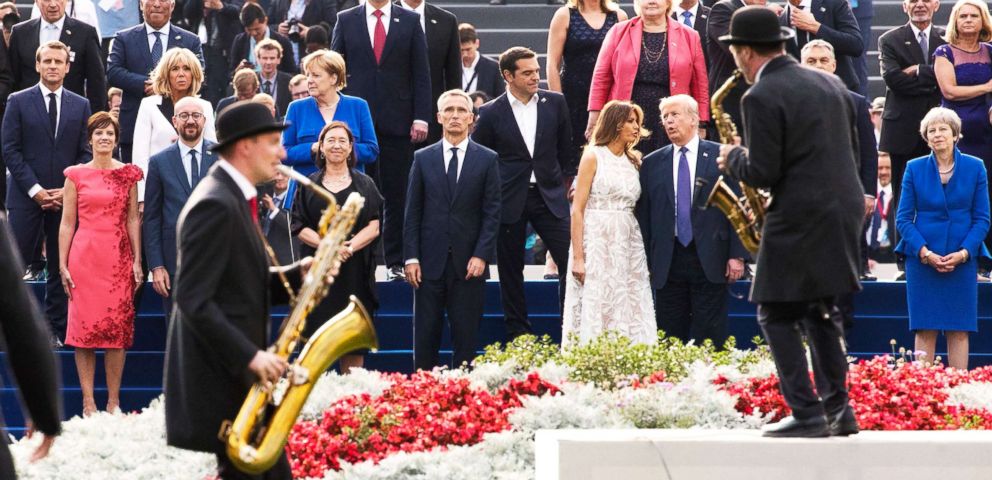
{"x": 101, "y": 310}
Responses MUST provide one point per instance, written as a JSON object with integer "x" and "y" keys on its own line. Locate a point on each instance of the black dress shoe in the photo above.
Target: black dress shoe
{"x": 33, "y": 275}
{"x": 793, "y": 427}
{"x": 395, "y": 274}
{"x": 844, "y": 423}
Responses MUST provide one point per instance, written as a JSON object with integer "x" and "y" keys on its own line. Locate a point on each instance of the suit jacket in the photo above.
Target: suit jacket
{"x": 720, "y": 61}
{"x": 278, "y": 231}
{"x": 699, "y": 23}
{"x": 222, "y": 292}
{"x": 867, "y": 148}
{"x": 6, "y": 84}
{"x": 166, "y": 191}
{"x": 86, "y": 73}
{"x": 33, "y": 154}
{"x": 839, "y": 28}
{"x": 488, "y": 78}
{"x": 812, "y": 232}
{"x": 241, "y": 45}
{"x": 444, "y": 57}
{"x": 616, "y": 67}
{"x": 398, "y": 88}
{"x": 222, "y": 25}
{"x": 553, "y": 158}
{"x": 24, "y": 333}
{"x": 712, "y": 233}
{"x": 130, "y": 63}
{"x": 464, "y": 222}
{"x": 154, "y": 133}
{"x": 907, "y": 97}
{"x": 945, "y": 219}
{"x": 317, "y": 11}
{"x": 282, "y": 95}
{"x": 226, "y": 102}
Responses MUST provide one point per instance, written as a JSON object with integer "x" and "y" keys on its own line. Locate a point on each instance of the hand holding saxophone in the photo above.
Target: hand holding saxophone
{"x": 268, "y": 366}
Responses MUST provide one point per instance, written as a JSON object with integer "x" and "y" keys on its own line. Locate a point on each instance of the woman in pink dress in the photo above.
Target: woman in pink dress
{"x": 101, "y": 259}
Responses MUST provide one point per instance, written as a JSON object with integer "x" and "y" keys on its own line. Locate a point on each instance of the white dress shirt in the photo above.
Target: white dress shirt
{"x": 421, "y": 9}
{"x": 526, "y": 116}
{"x": 371, "y": 20}
{"x": 149, "y": 32}
{"x": 690, "y": 155}
{"x": 187, "y": 162}
{"x": 693, "y": 12}
{"x": 48, "y": 32}
{"x": 247, "y": 188}
{"x": 82, "y": 10}
{"x": 469, "y": 77}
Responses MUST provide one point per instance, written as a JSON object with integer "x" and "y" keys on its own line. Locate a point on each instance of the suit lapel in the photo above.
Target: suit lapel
{"x": 467, "y": 168}
{"x": 430, "y": 25}
{"x": 174, "y": 41}
{"x": 39, "y": 104}
{"x": 439, "y": 172}
{"x": 66, "y": 35}
{"x": 34, "y": 32}
{"x": 544, "y": 115}
{"x": 364, "y": 38}
{"x": 176, "y": 162}
{"x": 667, "y": 180}
{"x": 392, "y": 33}
{"x": 146, "y": 53}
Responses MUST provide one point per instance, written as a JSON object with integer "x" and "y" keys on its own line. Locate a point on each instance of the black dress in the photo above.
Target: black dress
{"x": 582, "y": 44}
{"x": 357, "y": 275}
{"x": 650, "y": 86}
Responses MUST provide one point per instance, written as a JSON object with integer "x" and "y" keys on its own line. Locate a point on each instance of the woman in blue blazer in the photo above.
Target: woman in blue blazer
{"x": 306, "y": 117}
{"x": 943, "y": 218}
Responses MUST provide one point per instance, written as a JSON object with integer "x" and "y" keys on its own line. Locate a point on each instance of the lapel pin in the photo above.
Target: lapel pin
{"x": 434, "y": 21}
{"x": 68, "y": 32}
{"x": 396, "y": 20}
{"x": 543, "y": 99}
{"x": 706, "y": 154}
{"x": 822, "y": 9}
{"x": 907, "y": 43}
{"x": 178, "y": 37}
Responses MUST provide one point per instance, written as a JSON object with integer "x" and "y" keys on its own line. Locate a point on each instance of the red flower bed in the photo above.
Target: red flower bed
{"x": 908, "y": 396}
{"x": 416, "y": 414}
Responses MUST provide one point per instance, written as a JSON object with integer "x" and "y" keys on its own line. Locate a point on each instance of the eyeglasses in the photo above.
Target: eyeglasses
{"x": 186, "y": 116}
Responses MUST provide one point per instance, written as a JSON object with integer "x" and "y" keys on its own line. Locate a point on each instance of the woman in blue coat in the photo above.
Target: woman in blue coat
{"x": 306, "y": 117}
{"x": 943, "y": 218}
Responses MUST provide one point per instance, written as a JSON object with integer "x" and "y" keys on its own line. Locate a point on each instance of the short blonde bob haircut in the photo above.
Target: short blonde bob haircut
{"x": 173, "y": 58}
{"x": 938, "y": 115}
{"x": 984, "y": 35}
{"x": 329, "y": 61}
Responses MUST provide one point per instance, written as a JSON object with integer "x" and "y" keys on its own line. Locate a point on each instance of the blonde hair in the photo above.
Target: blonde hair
{"x": 268, "y": 44}
{"x": 605, "y": 6}
{"x": 983, "y": 11}
{"x": 242, "y": 76}
{"x": 330, "y": 62}
{"x": 264, "y": 99}
{"x": 171, "y": 59}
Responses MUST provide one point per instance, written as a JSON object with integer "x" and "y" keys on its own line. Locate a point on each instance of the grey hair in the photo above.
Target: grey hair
{"x": 941, "y": 115}
{"x": 457, "y": 92}
{"x": 686, "y": 101}
{"x": 818, "y": 43}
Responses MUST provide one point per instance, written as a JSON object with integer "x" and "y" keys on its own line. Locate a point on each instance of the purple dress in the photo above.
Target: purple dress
{"x": 971, "y": 68}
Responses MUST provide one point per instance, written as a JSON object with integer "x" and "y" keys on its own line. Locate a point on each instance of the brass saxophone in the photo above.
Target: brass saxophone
{"x": 258, "y": 434}
{"x": 747, "y": 214}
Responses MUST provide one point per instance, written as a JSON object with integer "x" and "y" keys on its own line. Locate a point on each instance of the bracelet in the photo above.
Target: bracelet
{"x": 966, "y": 255}
{"x": 926, "y": 259}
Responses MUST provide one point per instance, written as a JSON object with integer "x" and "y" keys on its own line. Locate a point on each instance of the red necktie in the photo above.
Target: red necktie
{"x": 253, "y": 209}
{"x": 379, "y": 36}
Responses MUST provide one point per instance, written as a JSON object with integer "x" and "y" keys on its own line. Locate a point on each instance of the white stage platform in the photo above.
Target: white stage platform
{"x": 745, "y": 455}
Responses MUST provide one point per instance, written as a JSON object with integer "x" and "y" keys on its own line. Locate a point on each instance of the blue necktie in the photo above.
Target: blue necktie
{"x": 194, "y": 168}
{"x": 453, "y": 172}
{"x": 687, "y": 18}
{"x": 683, "y": 220}
{"x": 156, "y": 49}
{"x": 924, "y": 47}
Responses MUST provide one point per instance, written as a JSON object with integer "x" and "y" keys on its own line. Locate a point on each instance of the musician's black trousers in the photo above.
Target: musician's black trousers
{"x": 227, "y": 471}
{"x": 784, "y": 324}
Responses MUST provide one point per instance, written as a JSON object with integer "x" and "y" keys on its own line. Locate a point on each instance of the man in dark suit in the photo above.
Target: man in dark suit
{"x": 217, "y": 339}
{"x": 809, "y": 244}
{"x": 479, "y": 73}
{"x": 530, "y": 130}
{"x": 221, "y": 18}
{"x": 831, "y": 21}
{"x": 692, "y": 254}
{"x": 864, "y": 11}
{"x": 24, "y": 334}
{"x": 720, "y": 61}
{"x": 86, "y": 74}
{"x": 452, "y": 218}
{"x": 173, "y": 173}
{"x": 271, "y": 80}
{"x": 881, "y": 227}
{"x": 6, "y": 86}
{"x": 443, "y": 55}
{"x": 44, "y": 132}
{"x": 385, "y": 51}
{"x": 136, "y": 51}
{"x": 694, "y": 15}
{"x": 256, "y": 30}
{"x": 277, "y": 217}
{"x": 911, "y": 86}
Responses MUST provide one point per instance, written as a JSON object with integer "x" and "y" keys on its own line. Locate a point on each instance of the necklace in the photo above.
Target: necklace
{"x": 948, "y": 171}
{"x": 338, "y": 179}
{"x": 653, "y": 56}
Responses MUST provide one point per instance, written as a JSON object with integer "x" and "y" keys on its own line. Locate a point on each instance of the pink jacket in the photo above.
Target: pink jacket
{"x": 616, "y": 66}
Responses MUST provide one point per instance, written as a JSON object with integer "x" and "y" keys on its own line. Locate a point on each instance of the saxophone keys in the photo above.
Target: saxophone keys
{"x": 299, "y": 375}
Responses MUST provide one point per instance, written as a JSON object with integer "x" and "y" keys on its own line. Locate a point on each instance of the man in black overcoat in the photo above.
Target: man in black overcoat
{"x": 809, "y": 247}
{"x": 222, "y": 292}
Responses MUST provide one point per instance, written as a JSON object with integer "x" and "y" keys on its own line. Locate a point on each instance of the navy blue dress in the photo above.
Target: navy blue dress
{"x": 582, "y": 45}
{"x": 971, "y": 68}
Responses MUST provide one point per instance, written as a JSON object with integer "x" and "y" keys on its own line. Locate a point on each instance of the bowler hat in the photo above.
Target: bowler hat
{"x": 755, "y": 25}
{"x": 242, "y": 120}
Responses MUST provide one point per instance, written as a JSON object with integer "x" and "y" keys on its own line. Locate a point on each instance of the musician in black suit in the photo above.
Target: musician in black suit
{"x": 443, "y": 55}
{"x": 911, "y": 86}
{"x": 530, "y": 130}
{"x": 257, "y": 30}
{"x": 389, "y": 69}
{"x": 86, "y": 73}
{"x": 452, "y": 218}
{"x": 831, "y": 21}
{"x": 219, "y": 331}
{"x": 690, "y": 268}
{"x": 695, "y": 15}
{"x": 25, "y": 336}
{"x": 809, "y": 245}
{"x": 479, "y": 72}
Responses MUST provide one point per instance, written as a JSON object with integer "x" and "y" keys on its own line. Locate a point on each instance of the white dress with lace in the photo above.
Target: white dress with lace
{"x": 616, "y": 294}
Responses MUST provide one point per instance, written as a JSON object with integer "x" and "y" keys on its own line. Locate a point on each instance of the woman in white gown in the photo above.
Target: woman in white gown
{"x": 607, "y": 288}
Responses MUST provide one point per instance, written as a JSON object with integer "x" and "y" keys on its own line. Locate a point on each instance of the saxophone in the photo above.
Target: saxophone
{"x": 258, "y": 434}
{"x": 747, "y": 214}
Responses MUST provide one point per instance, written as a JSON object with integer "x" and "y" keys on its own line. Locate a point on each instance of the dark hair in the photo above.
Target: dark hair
{"x": 319, "y": 157}
{"x": 318, "y": 34}
{"x": 251, "y": 13}
{"x": 467, "y": 34}
{"x": 479, "y": 94}
{"x": 102, "y": 120}
{"x": 508, "y": 59}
